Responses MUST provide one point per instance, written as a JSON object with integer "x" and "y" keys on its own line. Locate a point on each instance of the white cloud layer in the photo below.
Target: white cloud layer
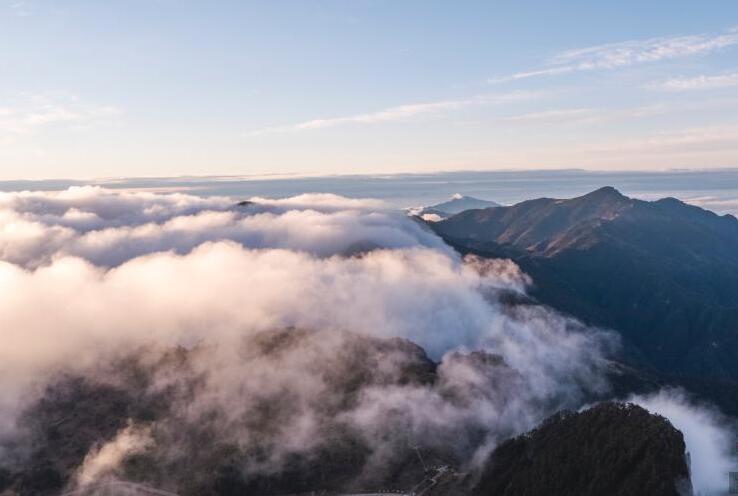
{"x": 89, "y": 275}
{"x": 720, "y": 205}
{"x": 707, "y": 434}
{"x": 109, "y": 228}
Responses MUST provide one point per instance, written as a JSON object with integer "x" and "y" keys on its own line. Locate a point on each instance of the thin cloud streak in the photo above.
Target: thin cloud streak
{"x": 682, "y": 140}
{"x": 701, "y": 82}
{"x": 529, "y": 74}
{"x": 399, "y": 113}
{"x": 627, "y": 53}
{"x": 707, "y": 146}
{"x": 687, "y": 137}
{"x": 561, "y": 115}
{"x": 39, "y": 111}
{"x": 589, "y": 115}
{"x": 21, "y": 8}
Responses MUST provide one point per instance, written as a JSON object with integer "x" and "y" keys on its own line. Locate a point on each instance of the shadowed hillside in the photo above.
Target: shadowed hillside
{"x": 611, "y": 449}
{"x": 664, "y": 274}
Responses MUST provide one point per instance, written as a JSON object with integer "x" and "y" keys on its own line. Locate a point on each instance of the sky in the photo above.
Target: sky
{"x": 143, "y": 88}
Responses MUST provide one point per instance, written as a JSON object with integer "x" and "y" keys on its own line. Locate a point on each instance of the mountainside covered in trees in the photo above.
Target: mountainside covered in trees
{"x": 664, "y": 274}
{"x": 610, "y": 449}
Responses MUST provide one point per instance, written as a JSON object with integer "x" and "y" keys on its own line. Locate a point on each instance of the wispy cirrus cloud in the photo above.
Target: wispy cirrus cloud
{"x": 551, "y": 71}
{"x": 588, "y": 115}
{"x": 689, "y": 147}
{"x": 21, "y": 8}
{"x": 33, "y": 112}
{"x": 399, "y": 113}
{"x": 678, "y": 140}
{"x": 701, "y": 82}
{"x": 559, "y": 115}
{"x": 627, "y": 53}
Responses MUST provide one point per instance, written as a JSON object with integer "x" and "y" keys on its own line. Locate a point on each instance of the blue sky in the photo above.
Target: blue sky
{"x": 93, "y": 89}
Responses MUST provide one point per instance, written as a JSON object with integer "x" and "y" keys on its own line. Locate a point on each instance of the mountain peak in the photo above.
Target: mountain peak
{"x": 605, "y": 192}
{"x": 551, "y": 458}
{"x": 457, "y": 203}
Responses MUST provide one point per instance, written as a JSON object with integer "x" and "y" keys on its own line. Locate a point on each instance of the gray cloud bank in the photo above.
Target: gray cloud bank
{"x": 287, "y": 315}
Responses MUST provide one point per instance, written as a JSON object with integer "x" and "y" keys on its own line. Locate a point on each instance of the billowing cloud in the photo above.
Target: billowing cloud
{"x": 93, "y": 275}
{"x": 109, "y": 228}
{"x": 104, "y": 460}
{"x": 708, "y": 435}
{"x": 264, "y": 334}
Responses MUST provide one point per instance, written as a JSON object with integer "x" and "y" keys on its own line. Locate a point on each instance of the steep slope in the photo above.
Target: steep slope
{"x": 610, "y": 449}
{"x": 664, "y": 274}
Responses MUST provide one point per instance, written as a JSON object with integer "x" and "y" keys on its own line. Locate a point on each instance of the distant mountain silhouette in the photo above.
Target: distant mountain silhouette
{"x": 610, "y": 449}
{"x": 663, "y": 273}
{"x": 458, "y": 203}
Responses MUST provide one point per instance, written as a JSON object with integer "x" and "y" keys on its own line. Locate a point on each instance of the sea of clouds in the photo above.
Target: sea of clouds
{"x": 90, "y": 275}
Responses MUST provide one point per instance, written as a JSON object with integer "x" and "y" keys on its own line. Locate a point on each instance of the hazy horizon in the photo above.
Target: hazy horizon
{"x": 715, "y": 190}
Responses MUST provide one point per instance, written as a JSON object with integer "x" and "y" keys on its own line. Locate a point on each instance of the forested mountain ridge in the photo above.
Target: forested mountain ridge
{"x": 610, "y": 449}
{"x": 663, "y": 274}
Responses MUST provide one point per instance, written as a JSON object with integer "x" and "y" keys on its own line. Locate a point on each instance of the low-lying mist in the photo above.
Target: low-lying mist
{"x": 177, "y": 336}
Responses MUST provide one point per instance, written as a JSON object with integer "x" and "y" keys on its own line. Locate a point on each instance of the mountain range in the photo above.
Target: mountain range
{"x": 663, "y": 274}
